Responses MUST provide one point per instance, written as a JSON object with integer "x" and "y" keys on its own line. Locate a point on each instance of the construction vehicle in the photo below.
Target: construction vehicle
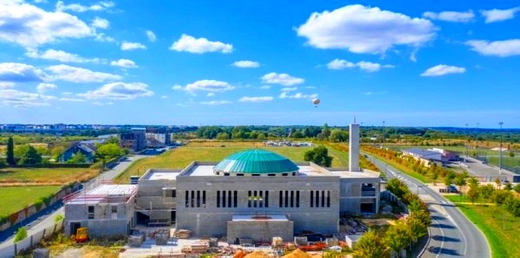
{"x": 81, "y": 235}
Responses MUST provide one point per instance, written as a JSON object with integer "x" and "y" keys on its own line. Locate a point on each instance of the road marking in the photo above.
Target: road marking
{"x": 443, "y": 236}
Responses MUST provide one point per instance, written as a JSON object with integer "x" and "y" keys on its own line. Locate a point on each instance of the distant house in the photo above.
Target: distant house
{"x": 446, "y": 155}
{"x": 84, "y": 149}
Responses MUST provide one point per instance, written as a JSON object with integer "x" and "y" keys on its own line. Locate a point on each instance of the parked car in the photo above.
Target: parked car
{"x": 452, "y": 189}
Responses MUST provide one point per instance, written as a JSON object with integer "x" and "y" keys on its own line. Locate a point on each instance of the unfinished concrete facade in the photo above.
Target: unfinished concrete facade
{"x": 106, "y": 211}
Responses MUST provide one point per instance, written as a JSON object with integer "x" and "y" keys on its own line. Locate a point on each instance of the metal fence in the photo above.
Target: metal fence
{"x": 30, "y": 241}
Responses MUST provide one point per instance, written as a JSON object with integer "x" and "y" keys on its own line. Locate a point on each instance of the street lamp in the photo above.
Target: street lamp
{"x": 476, "y": 138}
{"x": 500, "y": 157}
{"x": 467, "y": 143}
{"x": 383, "y": 135}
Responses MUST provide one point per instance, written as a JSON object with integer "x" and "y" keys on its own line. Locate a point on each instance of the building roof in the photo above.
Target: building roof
{"x": 422, "y": 153}
{"x": 256, "y": 161}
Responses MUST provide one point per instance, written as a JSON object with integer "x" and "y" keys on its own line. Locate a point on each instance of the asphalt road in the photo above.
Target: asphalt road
{"x": 47, "y": 220}
{"x": 452, "y": 234}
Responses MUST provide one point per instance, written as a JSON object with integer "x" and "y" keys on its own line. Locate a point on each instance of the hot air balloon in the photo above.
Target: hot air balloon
{"x": 316, "y": 101}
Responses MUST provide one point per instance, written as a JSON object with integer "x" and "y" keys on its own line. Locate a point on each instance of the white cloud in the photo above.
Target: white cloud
{"x": 215, "y": 102}
{"x": 282, "y": 78}
{"x": 125, "y": 63}
{"x": 164, "y": 97}
{"x": 59, "y": 55}
{"x": 99, "y": 103}
{"x": 289, "y": 89}
{"x": 190, "y": 44}
{"x": 30, "y": 26}
{"x": 42, "y": 87}
{"x": 18, "y": 72}
{"x": 151, "y": 36}
{"x": 265, "y": 87}
{"x": 18, "y": 98}
{"x": 256, "y": 99}
{"x": 7, "y": 85}
{"x": 362, "y": 29}
{"x": 72, "y": 99}
{"x": 119, "y": 91}
{"x": 100, "y": 23}
{"x": 131, "y": 46}
{"x": 299, "y": 95}
{"x": 210, "y": 94}
{"x": 338, "y": 64}
{"x": 441, "y": 70}
{"x": 502, "y": 48}
{"x": 79, "y": 75}
{"x": 205, "y": 85}
{"x": 497, "y": 15}
{"x": 310, "y": 87}
{"x": 246, "y": 64}
{"x": 60, "y": 7}
{"x": 450, "y": 16}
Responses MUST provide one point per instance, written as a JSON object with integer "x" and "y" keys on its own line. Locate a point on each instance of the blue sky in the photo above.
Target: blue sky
{"x": 441, "y": 63}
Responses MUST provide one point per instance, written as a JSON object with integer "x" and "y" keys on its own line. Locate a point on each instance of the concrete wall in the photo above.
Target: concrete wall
{"x": 260, "y": 231}
{"x": 351, "y": 195}
{"x": 210, "y": 220}
{"x": 105, "y": 223}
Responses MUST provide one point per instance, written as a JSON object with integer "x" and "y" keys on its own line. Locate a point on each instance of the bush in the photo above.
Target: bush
{"x": 21, "y": 234}
{"x": 58, "y": 218}
{"x": 319, "y": 156}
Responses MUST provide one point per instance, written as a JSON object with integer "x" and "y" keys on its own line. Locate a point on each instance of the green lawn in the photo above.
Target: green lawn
{"x": 15, "y": 198}
{"x": 499, "y": 226}
{"x": 183, "y": 156}
{"x": 45, "y": 176}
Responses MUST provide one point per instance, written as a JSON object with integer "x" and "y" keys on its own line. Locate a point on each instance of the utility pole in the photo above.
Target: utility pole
{"x": 383, "y": 135}
{"x": 500, "y": 157}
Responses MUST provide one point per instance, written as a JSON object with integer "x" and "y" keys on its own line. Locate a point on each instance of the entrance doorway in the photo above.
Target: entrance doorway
{"x": 173, "y": 217}
{"x": 74, "y": 227}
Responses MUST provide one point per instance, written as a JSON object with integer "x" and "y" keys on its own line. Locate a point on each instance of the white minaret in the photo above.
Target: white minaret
{"x": 353, "y": 152}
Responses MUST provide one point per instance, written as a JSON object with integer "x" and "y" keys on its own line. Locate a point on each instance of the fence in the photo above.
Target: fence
{"x": 387, "y": 195}
{"x": 30, "y": 241}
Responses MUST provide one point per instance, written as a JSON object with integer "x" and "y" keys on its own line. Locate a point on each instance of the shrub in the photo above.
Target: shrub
{"x": 58, "y": 218}
{"x": 21, "y": 234}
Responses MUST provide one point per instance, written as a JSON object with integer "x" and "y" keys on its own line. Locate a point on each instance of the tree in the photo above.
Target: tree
{"x": 397, "y": 237}
{"x": 10, "y": 152}
{"x": 508, "y": 186}
{"x": 517, "y": 188}
{"x": 513, "y": 206}
{"x": 30, "y": 157}
{"x": 57, "y": 151}
{"x": 511, "y": 154}
{"x": 460, "y": 181}
{"x": 223, "y": 136}
{"x": 338, "y": 135}
{"x": 319, "y": 156}
{"x": 498, "y": 183}
{"x": 473, "y": 194}
{"x": 78, "y": 158}
{"x": 109, "y": 151}
{"x": 370, "y": 245}
{"x": 487, "y": 191}
{"x": 417, "y": 228}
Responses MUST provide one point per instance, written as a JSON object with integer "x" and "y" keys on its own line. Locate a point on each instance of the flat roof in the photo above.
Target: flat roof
{"x": 161, "y": 174}
{"x": 104, "y": 193}
{"x": 260, "y": 217}
{"x": 351, "y": 174}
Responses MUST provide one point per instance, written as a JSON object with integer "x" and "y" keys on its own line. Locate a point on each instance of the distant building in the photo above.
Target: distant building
{"x": 158, "y": 140}
{"x": 135, "y": 140}
{"x": 425, "y": 156}
{"x": 446, "y": 155}
{"x": 84, "y": 149}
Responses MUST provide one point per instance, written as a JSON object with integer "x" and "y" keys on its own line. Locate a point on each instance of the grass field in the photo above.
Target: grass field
{"x": 45, "y": 176}
{"x": 499, "y": 226}
{"x": 15, "y": 198}
{"x": 212, "y": 151}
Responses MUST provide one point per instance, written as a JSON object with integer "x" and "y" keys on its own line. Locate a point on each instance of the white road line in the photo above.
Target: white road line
{"x": 443, "y": 236}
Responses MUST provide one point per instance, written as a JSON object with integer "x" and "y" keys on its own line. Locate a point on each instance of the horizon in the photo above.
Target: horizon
{"x": 440, "y": 64}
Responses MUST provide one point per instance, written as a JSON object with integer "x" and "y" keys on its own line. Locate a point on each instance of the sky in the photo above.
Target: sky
{"x": 393, "y": 63}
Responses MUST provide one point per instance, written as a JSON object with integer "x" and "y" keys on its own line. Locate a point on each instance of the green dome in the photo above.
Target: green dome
{"x": 256, "y": 162}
